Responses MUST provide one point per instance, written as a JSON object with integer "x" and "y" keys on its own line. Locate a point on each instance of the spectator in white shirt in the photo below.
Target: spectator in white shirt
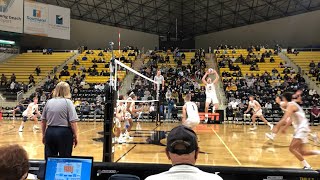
{"x": 312, "y": 92}
{"x": 182, "y": 149}
{"x": 168, "y": 94}
{"x": 268, "y": 105}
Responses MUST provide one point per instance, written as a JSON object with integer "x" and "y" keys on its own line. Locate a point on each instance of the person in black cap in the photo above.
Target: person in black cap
{"x": 182, "y": 149}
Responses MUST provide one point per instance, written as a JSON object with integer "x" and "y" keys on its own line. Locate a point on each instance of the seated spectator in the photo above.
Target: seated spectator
{"x": 274, "y": 71}
{"x": 286, "y": 71}
{"x": 168, "y": 95}
{"x": 315, "y": 114}
{"x": 13, "y": 77}
{"x": 312, "y": 64}
{"x": 44, "y": 51}
{"x": 182, "y": 150}
{"x": 296, "y": 52}
{"x": 257, "y": 68}
{"x": 84, "y": 58}
{"x": 3, "y": 80}
{"x": 183, "y": 56}
{"x": 318, "y": 64}
{"x": 312, "y": 92}
{"x": 94, "y": 60}
{"x": 262, "y": 60}
{"x": 38, "y": 70}
{"x": 100, "y": 53}
{"x": 234, "y": 51}
{"x": 85, "y": 109}
{"x": 167, "y": 59}
{"x": 97, "y": 109}
{"x": 14, "y": 162}
{"x": 272, "y": 60}
{"x": 94, "y": 65}
{"x": 76, "y": 62}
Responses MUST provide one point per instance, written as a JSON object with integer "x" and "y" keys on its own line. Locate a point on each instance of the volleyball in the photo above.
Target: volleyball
{"x": 210, "y": 70}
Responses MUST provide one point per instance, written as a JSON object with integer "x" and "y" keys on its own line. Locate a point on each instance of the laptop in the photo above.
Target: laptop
{"x": 71, "y": 168}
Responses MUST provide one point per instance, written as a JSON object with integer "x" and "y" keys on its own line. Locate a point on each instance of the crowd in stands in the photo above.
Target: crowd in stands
{"x": 12, "y": 85}
{"x": 265, "y": 86}
{"x": 315, "y": 70}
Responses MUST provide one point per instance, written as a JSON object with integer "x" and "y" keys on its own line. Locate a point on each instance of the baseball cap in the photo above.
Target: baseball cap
{"x": 182, "y": 140}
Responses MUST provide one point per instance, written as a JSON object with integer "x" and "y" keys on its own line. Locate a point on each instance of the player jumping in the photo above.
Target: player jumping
{"x": 190, "y": 109}
{"x": 211, "y": 96}
{"x": 257, "y": 112}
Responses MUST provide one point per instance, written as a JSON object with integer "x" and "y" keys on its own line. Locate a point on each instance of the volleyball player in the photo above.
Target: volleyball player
{"x": 32, "y": 112}
{"x": 286, "y": 98}
{"x": 257, "y": 112}
{"x": 131, "y": 111}
{"x": 301, "y": 130}
{"x": 120, "y": 114}
{"x": 211, "y": 96}
{"x": 190, "y": 115}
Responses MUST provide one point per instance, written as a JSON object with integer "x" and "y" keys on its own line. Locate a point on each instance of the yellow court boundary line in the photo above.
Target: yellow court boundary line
{"x": 226, "y": 146}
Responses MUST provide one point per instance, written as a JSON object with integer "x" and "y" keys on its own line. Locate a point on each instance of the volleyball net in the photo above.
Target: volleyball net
{"x": 145, "y": 89}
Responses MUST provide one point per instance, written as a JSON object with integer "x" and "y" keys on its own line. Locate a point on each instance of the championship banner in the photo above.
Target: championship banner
{"x": 59, "y": 22}
{"x": 11, "y": 15}
{"x": 35, "y": 18}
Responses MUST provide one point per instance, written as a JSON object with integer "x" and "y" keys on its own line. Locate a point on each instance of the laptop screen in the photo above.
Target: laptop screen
{"x": 74, "y": 168}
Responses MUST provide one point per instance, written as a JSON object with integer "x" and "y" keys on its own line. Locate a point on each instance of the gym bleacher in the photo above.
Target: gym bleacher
{"x": 24, "y": 65}
{"x": 266, "y": 84}
{"x": 303, "y": 60}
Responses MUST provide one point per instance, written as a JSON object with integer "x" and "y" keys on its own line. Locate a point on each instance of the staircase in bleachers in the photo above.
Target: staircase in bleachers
{"x": 303, "y": 60}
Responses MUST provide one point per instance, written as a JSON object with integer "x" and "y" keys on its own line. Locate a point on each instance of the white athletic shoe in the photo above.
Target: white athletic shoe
{"x": 305, "y": 167}
{"x": 253, "y": 128}
{"x": 270, "y": 136}
{"x": 206, "y": 120}
{"x": 271, "y": 127}
{"x": 21, "y": 129}
{"x": 35, "y": 128}
{"x": 127, "y": 136}
{"x": 121, "y": 140}
{"x": 315, "y": 137}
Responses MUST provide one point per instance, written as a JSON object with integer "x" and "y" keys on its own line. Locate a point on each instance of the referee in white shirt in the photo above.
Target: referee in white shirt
{"x": 182, "y": 149}
{"x": 160, "y": 83}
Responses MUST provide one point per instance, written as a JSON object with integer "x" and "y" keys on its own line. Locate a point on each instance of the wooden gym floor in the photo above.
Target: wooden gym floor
{"x": 223, "y": 144}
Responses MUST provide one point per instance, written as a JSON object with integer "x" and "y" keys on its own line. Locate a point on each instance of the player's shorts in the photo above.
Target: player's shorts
{"x": 29, "y": 116}
{"x": 192, "y": 122}
{"x": 117, "y": 123}
{"x": 258, "y": 113}
{"x": 302, "y": 134}
{"x": 212, "y": 99}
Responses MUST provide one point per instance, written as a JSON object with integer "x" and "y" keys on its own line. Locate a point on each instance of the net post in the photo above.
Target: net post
{"x": 108, "y": 143}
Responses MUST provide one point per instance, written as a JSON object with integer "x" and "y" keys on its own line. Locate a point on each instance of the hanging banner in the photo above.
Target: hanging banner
{"x": 11, "y": 15}
{"x": 35, "y": 18}
{"x": 59, "y": 22}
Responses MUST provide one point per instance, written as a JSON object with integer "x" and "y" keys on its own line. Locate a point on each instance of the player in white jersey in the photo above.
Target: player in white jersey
{"x": 301, "y": 130}
{"x": 119, "y": 117}
{"x": 32, "y": 112}
{"x": 131, "y": 111}
{"x": 211, "y": 96}
{"x": 283, "y": 102}
{"x": 257, "y": 112}
{"x": 190, "y": 115}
